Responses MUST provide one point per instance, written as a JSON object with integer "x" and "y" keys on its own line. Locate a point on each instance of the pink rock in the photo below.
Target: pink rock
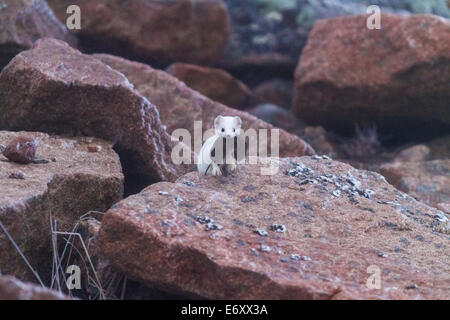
{"x": 216, "y": 84}
{"x": 317, "y": 229}
{"x": 160, "y": 32}
{"x": 55, "y": 88}
{"x": 21, "y": 150}
{"x": 78, "y": 182}
{"x": 24, "y": 22}
{"x": 396, "y": 77}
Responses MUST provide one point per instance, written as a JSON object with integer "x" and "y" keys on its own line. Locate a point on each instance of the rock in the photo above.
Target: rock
{"x": 339, "y": 81}
{"x": 68, "y": 188}
{"x": 107, "y": 275}
{"x": 54, "y": 88}
{"x": 21, "y": 150}
{"x": 158, "y": 32}
{"x": 415, "y": 153}
{"x": 427, "y": 181}
{"x": 269, "y": 35}
{"x": 440, "y": 148}
{"x": 23, "y": 22}
{"x": 279, "y": 117}
{"x": 338, "y": 219}
{"x": 17, "y": 175}
{"x": 179, "y": 106}
{"x": 322, "y": 141}
{"x": 14, "y": 289}
{"x": 94, "y": 148}
{"x": 444, "y": 207}
{"x": 216, "y": 84}
{"x": 275, "y": 91}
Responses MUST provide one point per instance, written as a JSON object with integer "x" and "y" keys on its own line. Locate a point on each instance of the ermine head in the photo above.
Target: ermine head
{"x": 227, "y": 127}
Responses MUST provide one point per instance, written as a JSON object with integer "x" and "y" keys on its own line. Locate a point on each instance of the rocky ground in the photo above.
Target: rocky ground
{"x": 362, "y": 181}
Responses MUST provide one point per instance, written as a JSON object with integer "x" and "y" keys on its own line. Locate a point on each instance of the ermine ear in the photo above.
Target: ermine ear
{"x": 238, "y": 121}
{"x": 217, "y": 121}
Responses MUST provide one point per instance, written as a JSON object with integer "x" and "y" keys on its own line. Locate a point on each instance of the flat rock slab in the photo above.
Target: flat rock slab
{"x": 179, "y": 106}
{"x": 54, "y": 88}
{"x": 428, "y": 181}
{"x": 349, "y": 74}
{"x": 159, "y": 32}
{"x": 311, "y": 231}
{"x": 70, "y": 183}
{"x": 23, "y": 22}
{"x": 14, "y": 289}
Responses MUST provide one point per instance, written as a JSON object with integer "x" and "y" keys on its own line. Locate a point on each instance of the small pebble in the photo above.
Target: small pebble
{"x": 411, "y": 286}
{"x": 204, "y": 219}
{"x": 213, "y": 226}
{"x": 17, "y": 175}
{"x": 265, "y": 248}
{"x": 297, "y": 257}
{"x": 40, "y": 161}
{"x": 262, "y": 232}
{"x": 381, "y": 254}
{"x": 278, "y": 228}
{"x": 94, "y": 148}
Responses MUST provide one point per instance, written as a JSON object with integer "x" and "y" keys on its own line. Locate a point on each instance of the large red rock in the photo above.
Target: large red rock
{"x": 397, "y": 77}
{"x": 179, "y": 106}
{"x": 159, "y": 32}
{"x": 317, "y": 229}
{"x": 71, "y": 182}
{"x": 14, "y": 289}
{"x": 54, "y": 88}
{"x": 23, "y": 22}
{"x": 428, "y": 181}
{"x": 216, "y": 84}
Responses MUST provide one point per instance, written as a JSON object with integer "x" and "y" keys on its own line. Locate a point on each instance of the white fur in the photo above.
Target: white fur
{"x": 224, "y": 127}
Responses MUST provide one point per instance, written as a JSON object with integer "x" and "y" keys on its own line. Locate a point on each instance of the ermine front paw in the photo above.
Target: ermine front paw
{"x": 232, "y": 168}
{"x": 215, "y": 170}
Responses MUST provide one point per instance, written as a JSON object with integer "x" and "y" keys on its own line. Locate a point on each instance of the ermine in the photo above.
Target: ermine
{"x": 210, "y": 159}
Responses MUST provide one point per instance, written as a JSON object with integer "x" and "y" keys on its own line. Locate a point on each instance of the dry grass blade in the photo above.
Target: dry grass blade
{"x": 21, "y": 253}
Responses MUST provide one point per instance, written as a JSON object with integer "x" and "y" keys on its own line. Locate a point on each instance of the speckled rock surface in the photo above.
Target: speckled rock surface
{"x": 340, "y": 81}
{"x": 54, "y": 88}
{"x": 158, "y": 32}
{"x": 179, "y": 106}
{"x": 428, "y": 181}
{"x": 311, "y": 231}
{"x": 72, "y": 182}
{"x": 216, "y": 84}
{"x": 24, "y": 21}
{"x": 14, "y": 289}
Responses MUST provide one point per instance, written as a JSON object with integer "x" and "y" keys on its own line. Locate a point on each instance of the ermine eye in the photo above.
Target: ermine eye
{"x": 223, "y": 129}
{"x": 234, "y": 130}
